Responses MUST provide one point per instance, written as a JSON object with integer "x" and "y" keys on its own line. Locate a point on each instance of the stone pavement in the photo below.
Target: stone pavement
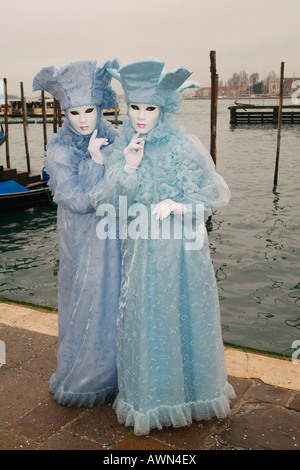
{"x": 265, "y": 414}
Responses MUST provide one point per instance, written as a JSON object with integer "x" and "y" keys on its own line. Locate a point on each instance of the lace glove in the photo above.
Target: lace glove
{"x": 134, "y": 153}
{"x": 94, "y": 147}
{"x": 164, "y": 208}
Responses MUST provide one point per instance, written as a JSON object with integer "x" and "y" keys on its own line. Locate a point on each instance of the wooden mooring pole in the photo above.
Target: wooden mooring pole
{"x": 214, "y": 106}
{"x": 116, "y": 113}
{"x": 44, "y": 119}
{"x": 6, "y": 124}
{"x": 59, "y": 116}
{"x": 24, "y": 114}
{"x": 55, "y": 112}
{"x": 279, "y": 126}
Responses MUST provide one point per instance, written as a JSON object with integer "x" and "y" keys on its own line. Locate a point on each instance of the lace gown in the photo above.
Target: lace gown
{"x": 170, "y": 355}
{"x": 89, "y": 275}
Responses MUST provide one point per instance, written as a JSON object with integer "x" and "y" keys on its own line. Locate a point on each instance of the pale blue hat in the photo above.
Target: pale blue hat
{"x": 79, "y": 83}
{"x": 149, "y": 81}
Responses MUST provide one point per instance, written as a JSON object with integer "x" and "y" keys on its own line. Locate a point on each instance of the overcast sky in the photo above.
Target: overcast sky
{"x": 255, "y": 35}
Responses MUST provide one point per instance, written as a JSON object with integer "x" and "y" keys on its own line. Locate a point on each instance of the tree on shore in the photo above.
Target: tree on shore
{"x": 257, "y": 86}
{"x": 239, "y": 79}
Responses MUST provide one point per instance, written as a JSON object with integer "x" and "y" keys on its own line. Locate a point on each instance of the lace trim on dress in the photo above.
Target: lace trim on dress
{"x": 176, "y": 416}
{"x": 88, "y": 399}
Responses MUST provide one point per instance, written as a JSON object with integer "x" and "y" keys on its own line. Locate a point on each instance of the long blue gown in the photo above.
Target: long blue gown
{"x": 89, "y": 274}
{"x": 170, "y": 355}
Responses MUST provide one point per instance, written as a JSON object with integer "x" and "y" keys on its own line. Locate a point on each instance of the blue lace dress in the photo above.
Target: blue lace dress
{"x": 89, "y": 275}
{"x": 170, "y": 354}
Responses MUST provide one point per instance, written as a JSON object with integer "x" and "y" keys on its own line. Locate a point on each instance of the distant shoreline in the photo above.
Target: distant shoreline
{"x": 263, "y": 97}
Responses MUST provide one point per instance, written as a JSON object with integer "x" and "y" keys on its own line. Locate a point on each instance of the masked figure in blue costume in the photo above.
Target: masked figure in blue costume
{"x": 170, "y": 355}
{"x": 89, "y": 268}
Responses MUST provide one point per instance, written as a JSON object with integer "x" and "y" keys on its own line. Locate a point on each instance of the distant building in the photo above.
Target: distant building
{"x": 223, "y": 92}
{"x": 288, "y": 89}
{"x": 274, "y": 86}
{"x": 203, "y": 92}
{"x": 272, "y": 89}
{"x": 1, "y": 92}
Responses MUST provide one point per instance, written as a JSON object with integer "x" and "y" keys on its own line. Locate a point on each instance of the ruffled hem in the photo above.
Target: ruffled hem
{"x": 176, "y": 416}
{"x": 88, "y": 399}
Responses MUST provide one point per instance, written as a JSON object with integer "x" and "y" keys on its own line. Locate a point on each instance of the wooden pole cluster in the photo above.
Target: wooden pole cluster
{"x": 214, "y": 106}
{"x": 279, "y": 126}
{"x": 6, "y": 125}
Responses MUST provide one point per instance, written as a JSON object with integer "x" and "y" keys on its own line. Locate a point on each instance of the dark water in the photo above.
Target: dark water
{"x": 254, "y": 240}
{"x": 29, "y": 256}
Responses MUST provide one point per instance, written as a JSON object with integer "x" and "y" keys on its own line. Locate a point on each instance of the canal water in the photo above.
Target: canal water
{"x": 254, "y": 240}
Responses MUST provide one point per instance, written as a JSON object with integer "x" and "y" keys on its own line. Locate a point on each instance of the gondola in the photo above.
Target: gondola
{"x": 18, "y": 201}
{"x": 21, "y": 190}
{"x": 31, "y": 191}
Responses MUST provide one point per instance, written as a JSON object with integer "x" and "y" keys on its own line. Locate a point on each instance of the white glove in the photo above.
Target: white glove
{"x": 164, "y": 208}
{"x": 134, "y": 153}
{"x": 94, "y": 147}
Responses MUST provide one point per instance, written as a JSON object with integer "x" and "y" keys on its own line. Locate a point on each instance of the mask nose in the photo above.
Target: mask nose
{"x": 82, "y": 117}
{"x": 141, "y": 114}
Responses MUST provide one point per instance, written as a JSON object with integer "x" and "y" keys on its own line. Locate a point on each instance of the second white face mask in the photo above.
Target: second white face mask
{"x": 83, "y": 119}
{"x": 143, "y": 117}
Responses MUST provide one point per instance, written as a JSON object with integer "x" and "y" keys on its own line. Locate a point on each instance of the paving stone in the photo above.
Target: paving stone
{"x": 294, "y": 404}
{"x": 187, "y": 437}
{"x": 101, "y": 425}
{"x": 269, "y": 394}
{"x": 241, "y": 386}
{"x": 44, "y": 420}
{"x": 9, "y": 440}
{"x": 23, "y": 347}
{"x": 44, "y": 362}
{"x": 20, "y": 391}
{"x": 64, "y": 440}
{"x": 133, "y": 442}
{"x": 260, "y": 426}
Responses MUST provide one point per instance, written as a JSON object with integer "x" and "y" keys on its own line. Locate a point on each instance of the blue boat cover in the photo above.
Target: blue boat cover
{"x": 11, "y": 186}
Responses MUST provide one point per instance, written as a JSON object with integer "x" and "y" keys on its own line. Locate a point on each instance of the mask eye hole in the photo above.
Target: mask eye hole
{"x": 135, "y": 107}
{"x": 151, "y": 108}
{"x": 74, "y": 113}
{"x": 89, "y": 110}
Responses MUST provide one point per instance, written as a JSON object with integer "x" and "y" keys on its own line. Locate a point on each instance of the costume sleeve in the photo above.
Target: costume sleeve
{"x": 71, "y": 178}
{"x": 200, "y": 181}
{"x": 116, "y": 182}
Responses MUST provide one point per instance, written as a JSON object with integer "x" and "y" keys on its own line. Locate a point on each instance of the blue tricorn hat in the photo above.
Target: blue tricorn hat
{"x": 149, "y": 81}
{"x": 79, "y": 83}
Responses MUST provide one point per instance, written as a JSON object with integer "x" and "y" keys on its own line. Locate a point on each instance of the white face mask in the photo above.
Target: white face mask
{"x": 143, "y": 117}
{"x": 83, "y": 119}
